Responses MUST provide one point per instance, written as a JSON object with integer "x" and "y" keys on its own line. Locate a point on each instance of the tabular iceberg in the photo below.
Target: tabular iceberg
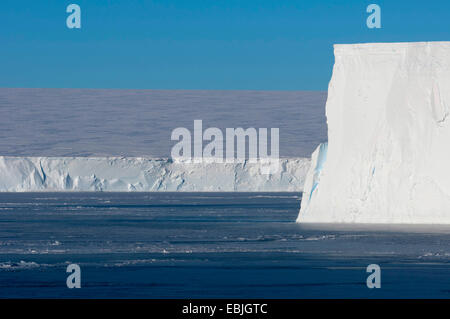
{"x": 388, "y": 153}
{"x": 28, "y": 174}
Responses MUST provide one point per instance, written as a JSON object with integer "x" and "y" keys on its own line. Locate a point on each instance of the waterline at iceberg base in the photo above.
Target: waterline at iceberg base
{"x": 387, "y": 158}
{"x": 122, "y": 174}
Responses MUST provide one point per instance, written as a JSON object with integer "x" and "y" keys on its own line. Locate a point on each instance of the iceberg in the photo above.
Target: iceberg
{"x": 387, "y": 158}
{"x": 122, "y": 174}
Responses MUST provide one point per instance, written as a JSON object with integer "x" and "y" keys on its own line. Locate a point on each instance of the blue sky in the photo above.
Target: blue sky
{"x": 208, "y": 44}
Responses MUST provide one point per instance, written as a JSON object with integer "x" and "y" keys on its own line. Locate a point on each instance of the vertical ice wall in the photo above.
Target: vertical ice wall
{"x": 388, "y": 154}
{"x": 123, "y": 174}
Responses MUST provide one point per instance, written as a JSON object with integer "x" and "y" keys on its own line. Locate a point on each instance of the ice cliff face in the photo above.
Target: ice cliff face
{"x": 22, "y": 174}
{"x": 388, "y": 154}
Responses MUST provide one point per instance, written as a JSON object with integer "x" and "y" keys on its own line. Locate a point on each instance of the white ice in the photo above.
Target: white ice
{"x": 25, "y": 174}
{"x": 388, "y": 154}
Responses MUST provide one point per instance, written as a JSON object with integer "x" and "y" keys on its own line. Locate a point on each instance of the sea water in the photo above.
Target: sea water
{"x": 207, "y": 245}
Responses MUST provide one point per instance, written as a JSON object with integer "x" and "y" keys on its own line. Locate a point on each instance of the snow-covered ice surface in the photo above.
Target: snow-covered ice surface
{"x": 138, "y": 123}
{"x": 31, "y": 174}
{"x": 387, "y": 159}
{"x": 207, "y": 245}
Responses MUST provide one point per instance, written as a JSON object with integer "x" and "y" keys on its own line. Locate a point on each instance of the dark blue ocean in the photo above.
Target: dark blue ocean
{"x": 207, "y": 245}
